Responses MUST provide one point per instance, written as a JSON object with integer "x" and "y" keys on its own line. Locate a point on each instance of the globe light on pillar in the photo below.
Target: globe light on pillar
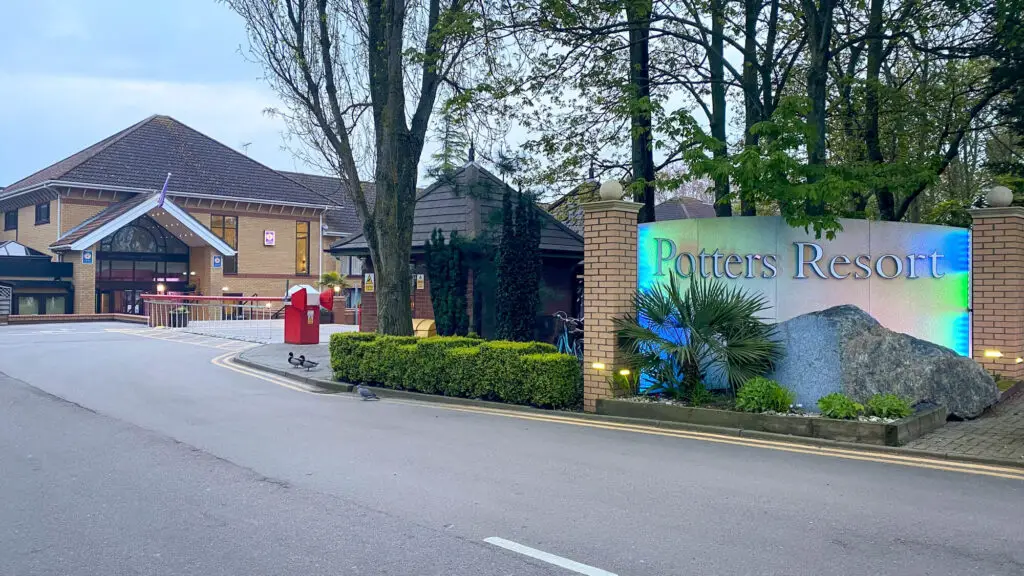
{"x": 999, "y": 197}
{"x": 611, "y": 190}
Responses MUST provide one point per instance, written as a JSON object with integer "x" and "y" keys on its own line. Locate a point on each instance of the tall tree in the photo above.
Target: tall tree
{"x": 331, "y": 62}
{"x": 638, "y": 16}
{"x": 446, "y": 270}
{"x": 590, "y": 65}
{"x": 818, "y": 19}
{"x": 518, "y": 267}
{"x": 507, "y": 294}
{"x": 716, "y": 65}
{"x": 453, "y": 151}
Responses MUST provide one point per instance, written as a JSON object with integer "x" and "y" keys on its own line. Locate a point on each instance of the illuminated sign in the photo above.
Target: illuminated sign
{"x": 913, "y": 278}
{"x": 808, "y": 261}
{"x": 269, "y": 238}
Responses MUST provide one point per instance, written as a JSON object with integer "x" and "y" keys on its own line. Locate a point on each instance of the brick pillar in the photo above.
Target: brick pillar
{"x": 609, "y": 260}
{"x": 209, "y": 279}
{"x": 997, "y": 289}
{"x": 368, "y": 304}
{"x": 83, "y": 278}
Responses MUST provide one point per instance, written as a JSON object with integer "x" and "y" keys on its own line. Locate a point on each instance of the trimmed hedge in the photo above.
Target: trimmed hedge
{"x": 378, "y": 358}
{"x": 515, "y": 372}
{"x": 460, "y": 372}
{"x": 501, "y": 373}
{"x": 344, "y": 358}
{"x": 432, "y": 357}
{"x": 554, "y": 380}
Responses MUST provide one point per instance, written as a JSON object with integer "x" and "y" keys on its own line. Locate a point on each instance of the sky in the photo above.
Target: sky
{"x": 73, "y": 72}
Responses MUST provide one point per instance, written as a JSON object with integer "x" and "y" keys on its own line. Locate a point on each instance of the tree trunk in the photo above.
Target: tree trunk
{"x": 768, "y": 62}
{"x": 691, "y": 377}
{"x": 391, "y": 247}
{"x": 751, "y": 90}
{"x": 716, "y": 63}
{"x": 886, "y": 201}
{"x": 819, "y": 41}
{"x": 638, "y": 13}
{"x": 817, "y": 82}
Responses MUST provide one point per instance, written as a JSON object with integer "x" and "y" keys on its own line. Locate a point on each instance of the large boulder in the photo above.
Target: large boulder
{"x": 843, "y": 349}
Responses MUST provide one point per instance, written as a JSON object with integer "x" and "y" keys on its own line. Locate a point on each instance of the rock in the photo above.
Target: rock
{"x": 843, "y": 349}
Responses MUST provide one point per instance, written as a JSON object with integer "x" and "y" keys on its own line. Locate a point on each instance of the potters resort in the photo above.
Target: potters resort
{"x": 161, "y": 225}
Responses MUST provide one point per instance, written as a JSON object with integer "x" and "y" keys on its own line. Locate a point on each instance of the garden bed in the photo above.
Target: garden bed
{"x": 894, "y": 433}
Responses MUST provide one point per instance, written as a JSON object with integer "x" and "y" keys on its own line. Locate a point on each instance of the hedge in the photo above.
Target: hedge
{"x": 380, "y": 360}
{"x": 431, "y": 359}
{"x": 515, "y": 372}
{"x": 554, "y": 380}
{"x": 344, "y": 359}
{"x": 500, "y": 370}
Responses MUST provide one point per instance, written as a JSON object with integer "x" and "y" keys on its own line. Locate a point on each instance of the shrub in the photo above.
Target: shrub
{"x": 889, "y": 406}
{"x": 763, "y": 395}
{"x": 625, "y": 385}
{"x": 459, "y": 372}
{"x": 690, "y": 328}
{"x": 553, "y": 380}
{"x": 345, "y": 357}
{"x": 374, "y": 357}
{"x": 500, "y": 370}
{"x": 521, "y": 348}
{"x": 837, "y": 405}
{"x": 518, "y": 372}
{"x": 446, "y": 270}
{"x": 367, "y": 371}
{"x": 431, "y": 358}
{"x": 699, "y": 395}
{"x": 396, "y": 364}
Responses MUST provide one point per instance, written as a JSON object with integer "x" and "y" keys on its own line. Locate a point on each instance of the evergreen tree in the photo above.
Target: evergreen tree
{"x": 519, "y": 268}
{"x": 455, "y": 146}
{"x": 506, "y": 294}
{"x": 528, "y": 227}
{"x": 447, "y": 274}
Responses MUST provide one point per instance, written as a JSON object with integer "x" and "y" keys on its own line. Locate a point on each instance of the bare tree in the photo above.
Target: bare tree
{"x": 334, "y": 61}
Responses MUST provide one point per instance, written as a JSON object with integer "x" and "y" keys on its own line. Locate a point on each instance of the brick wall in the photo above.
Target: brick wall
{"x": 278, "y": 260}
{"x": 368, "y": 306}
{"x": 610, "y": 259}
{"x": 40, "y": 237}
{"x": 74, "y": 212}
{"x": 331, "y": 263}
{"x": 421, "y": 304}
{"x": 37, "y": 236}
{"x": 83, "y": 277}
{"x": 997, "y": 288}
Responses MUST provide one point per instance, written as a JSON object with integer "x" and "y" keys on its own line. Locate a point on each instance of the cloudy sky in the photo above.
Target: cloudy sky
{"x": 75, "y": 71}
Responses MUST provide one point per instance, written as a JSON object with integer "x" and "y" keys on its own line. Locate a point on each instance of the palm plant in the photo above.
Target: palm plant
{"x": 677, "y": 334}
{"x": 332, "y": 280}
